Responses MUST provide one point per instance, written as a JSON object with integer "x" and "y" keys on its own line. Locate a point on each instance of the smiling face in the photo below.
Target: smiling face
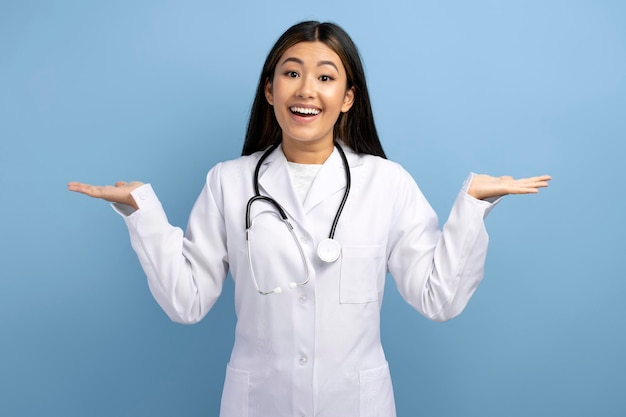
{"x": 308, "y": 92}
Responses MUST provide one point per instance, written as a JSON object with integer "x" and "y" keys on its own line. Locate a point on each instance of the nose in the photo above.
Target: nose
{"x": 306, "y": 89}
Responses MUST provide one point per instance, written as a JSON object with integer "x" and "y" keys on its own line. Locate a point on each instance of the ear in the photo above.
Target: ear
{"x": 269, "y": 95}
{"x": 348, "y": 100}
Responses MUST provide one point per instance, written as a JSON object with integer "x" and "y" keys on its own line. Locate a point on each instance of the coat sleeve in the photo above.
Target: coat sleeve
{"x": 437, "y": 271}
{"x": 185, "y": 271}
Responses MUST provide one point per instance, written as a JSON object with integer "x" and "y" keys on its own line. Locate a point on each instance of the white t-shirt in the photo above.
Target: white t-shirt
{"x": 303, "y": 176}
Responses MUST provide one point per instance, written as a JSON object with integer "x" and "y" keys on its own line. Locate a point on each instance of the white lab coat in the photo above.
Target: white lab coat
{"x": 314, "y": 350}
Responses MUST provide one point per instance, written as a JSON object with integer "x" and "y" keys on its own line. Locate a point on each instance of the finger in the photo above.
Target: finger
{"x": 539, "y": 178}
{"x": 525, "y": 191}
{"x": 72, "y": 185}
{"x": 80, "y": 187}
{"x": 95, "y": 191}
{"x": 539, "y": 184}
{"x": 75, "y": 184}
{"x": 528, "y": 188}
{"x": 523, "y": 185}
{"x": 540, "y": 181}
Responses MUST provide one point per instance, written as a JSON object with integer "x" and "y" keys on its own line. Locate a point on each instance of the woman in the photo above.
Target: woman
{"x": 308, "y": 295}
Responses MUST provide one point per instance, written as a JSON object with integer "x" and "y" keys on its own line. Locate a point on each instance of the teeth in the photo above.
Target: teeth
{"x": 304, "y": 110}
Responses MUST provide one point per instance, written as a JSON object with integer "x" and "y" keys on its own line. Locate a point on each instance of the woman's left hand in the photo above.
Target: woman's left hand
{"x": 485, "y": 186}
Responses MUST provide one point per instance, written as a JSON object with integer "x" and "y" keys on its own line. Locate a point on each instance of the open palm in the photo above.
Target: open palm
{"x": 485, "y": 186}
{"x": 118, "y": 193}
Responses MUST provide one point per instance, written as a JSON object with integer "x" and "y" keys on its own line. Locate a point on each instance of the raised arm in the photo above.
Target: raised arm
{"x": 185, "y": 271}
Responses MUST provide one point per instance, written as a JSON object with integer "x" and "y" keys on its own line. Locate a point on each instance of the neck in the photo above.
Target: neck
{"x": 307, "y": 153}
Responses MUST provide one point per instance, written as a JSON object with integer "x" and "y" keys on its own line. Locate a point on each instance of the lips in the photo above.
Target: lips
{"x": 304, "y": 111}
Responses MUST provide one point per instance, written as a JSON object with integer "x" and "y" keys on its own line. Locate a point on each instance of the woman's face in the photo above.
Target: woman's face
{"x": 308, "y": 92}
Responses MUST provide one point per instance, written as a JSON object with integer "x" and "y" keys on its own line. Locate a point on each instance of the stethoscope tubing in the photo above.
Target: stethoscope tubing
{"x": 283, "y": 215}
{"x": 331, "y": 235}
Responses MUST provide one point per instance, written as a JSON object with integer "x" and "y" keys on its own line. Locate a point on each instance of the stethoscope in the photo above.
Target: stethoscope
{"x": 328, "y": 250}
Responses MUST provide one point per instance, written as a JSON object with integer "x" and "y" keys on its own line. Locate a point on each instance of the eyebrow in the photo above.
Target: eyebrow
{"x": 319, "y": 64}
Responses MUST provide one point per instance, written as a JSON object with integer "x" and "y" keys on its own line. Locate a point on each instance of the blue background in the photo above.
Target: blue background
{"x": 160, "y": 91}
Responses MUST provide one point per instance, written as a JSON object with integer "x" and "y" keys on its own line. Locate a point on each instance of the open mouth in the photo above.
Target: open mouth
{"x": 304, "y": 111}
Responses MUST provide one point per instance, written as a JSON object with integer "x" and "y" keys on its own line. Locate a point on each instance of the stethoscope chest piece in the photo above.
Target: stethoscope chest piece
{"x": 328, "y": 250}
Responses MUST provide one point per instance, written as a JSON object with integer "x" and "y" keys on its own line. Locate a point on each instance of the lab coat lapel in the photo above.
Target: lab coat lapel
{"x": 275, "y": 182}
{"x": 330, "y": 179}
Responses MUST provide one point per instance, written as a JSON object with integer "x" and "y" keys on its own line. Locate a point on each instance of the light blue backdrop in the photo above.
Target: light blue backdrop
{"x": 160, "y": 91}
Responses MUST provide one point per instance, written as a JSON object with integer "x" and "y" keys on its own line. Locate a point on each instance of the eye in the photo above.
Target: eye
{"x": 291, "y": 74}
{"x": 326, "y": 78}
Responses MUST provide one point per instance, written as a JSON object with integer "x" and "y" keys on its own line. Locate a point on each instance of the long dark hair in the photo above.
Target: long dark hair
{"x": 355, "y": 128}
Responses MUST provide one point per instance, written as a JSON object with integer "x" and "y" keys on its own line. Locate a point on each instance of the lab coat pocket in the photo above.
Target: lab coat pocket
{"x": 235, "y": 395}
{"x": 376, "y": 396}
{"x": 361, "y": 269}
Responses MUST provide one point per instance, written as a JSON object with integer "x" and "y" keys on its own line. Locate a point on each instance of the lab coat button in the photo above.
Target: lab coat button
{"x": 302, "y": 299}
{"x": 302, "y": 360}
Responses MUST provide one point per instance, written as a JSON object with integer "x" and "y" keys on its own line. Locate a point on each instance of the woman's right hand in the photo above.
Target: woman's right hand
{"x": 119, "y": 193}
